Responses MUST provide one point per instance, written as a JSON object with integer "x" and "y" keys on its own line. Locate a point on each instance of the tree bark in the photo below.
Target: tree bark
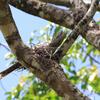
{"x": 39, "y": 60}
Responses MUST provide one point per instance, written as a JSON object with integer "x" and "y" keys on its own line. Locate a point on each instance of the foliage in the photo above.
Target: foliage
{"x": 30, "y": 88}
{"x": 80, "y": 65}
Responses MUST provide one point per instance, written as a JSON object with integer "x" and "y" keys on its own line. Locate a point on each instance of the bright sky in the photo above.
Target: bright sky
{"x": 26, "y": 24}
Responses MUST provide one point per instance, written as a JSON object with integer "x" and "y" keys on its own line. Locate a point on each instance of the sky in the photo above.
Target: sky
{"x": 26, "y": 25}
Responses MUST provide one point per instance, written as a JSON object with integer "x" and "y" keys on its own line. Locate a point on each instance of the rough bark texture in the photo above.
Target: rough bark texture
{"x": 43, "y": 60}
{"x": 67, "y": 18}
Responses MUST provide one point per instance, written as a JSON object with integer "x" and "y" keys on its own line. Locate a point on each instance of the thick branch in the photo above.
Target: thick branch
{"x": 80, "y": 28}
{"x": 66, "y": 18}
{"x": 92, "y": 36}
{"x": 70, "y": 3}
{"x": 46, "y": 11}
{"x": 98, "y": 8}
{"x": 37, "y": 60}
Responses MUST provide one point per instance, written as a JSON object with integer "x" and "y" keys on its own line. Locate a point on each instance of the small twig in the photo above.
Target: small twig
{"x": 93, "y": 59}
{"x": 1, "y": 44}
{"x": 88, "y": 54}
{"x": 10, "y": 69}
{"x": 58, "y": 40}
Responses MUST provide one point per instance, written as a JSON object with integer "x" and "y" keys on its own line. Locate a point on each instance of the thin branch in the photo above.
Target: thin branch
{"x": 80, "y": 28}
{"x": 1, "y": 44}
{"x": 89, "y": 55}
{"x": 58, "y": 39}
{"x": 10, "y": 69}
{"x": 96, "y": 61}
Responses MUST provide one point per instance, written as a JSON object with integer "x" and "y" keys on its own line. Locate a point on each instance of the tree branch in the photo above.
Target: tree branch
{"x": 37, "y": 60}
{"x": 98, "y": 8}
{"x": 80, "y": 28}
{"x": 56, "y": 42}
{"x": 69, "y": 3}
{"x": 68, "y": 18}
{"x": 92, "y": 36}
{"x": 45, "y": 11}
{"x": 10, "y": 69}
{"x": 4, "y": 46}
